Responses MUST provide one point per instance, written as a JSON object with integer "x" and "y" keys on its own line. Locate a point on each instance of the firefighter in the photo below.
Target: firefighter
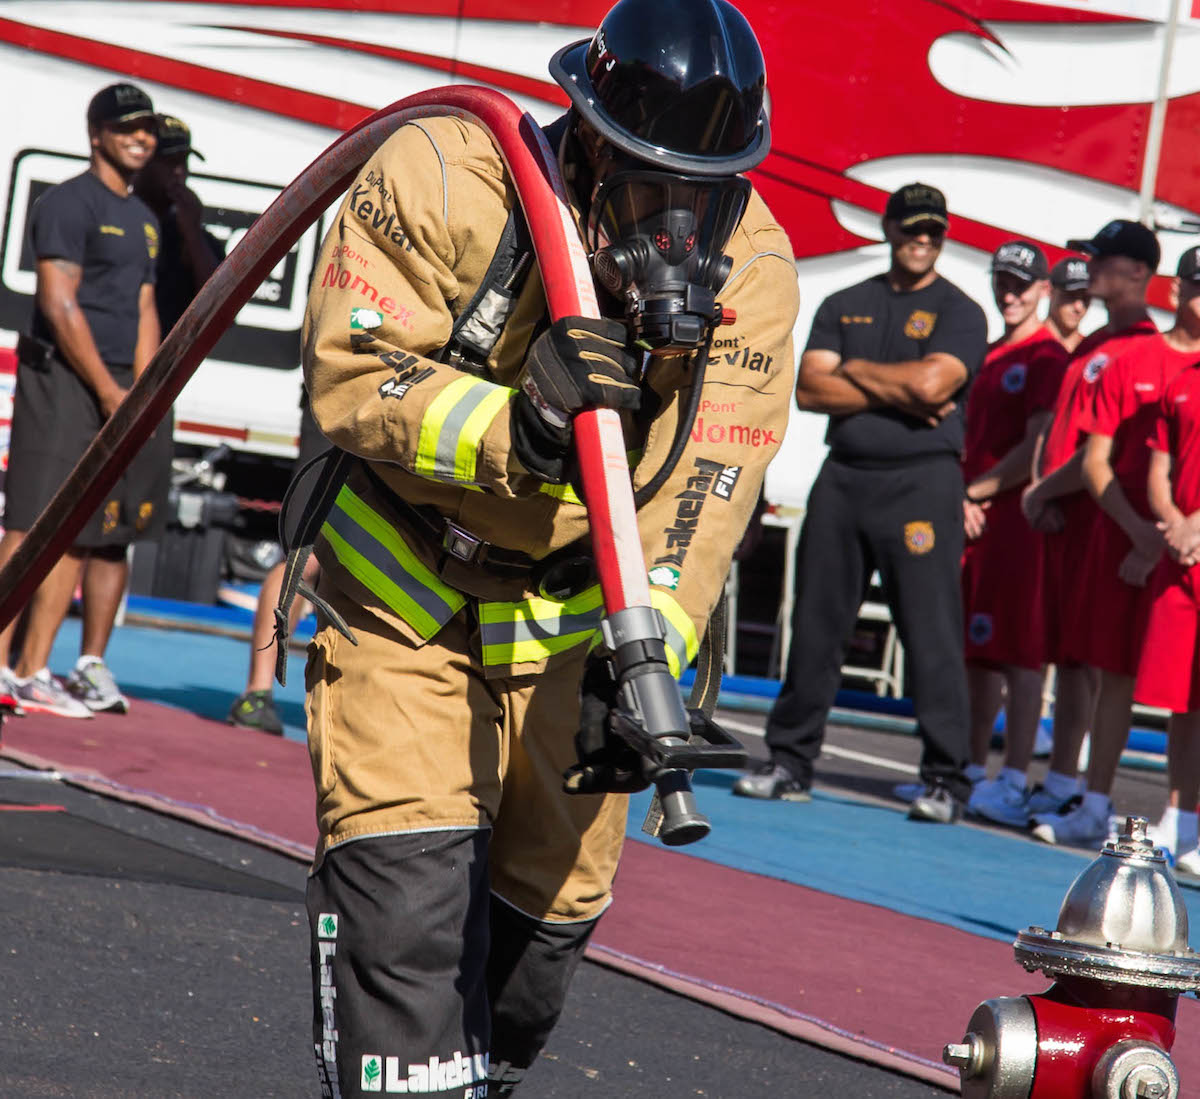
{"x": 470, "y": 797}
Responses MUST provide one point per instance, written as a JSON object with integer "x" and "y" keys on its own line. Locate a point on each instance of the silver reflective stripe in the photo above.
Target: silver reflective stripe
{"x": 445, "y": 458}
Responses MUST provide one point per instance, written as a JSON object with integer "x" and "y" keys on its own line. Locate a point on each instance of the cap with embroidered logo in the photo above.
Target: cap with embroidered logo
{"x": 917, "y": 202}
{"x": 118, "y": 103}
{"x": 1021, "y": 258}
{"x": 175, "y": 137}
{"x": 1122, "y": 238}
{"x": 1070, "y": 274}
{"x": 1189, "y": 264}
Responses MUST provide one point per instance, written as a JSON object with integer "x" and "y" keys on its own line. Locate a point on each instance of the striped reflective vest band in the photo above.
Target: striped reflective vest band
{"x": 373, "y": 551}
{"x": 533, "y": 629}
{"x": 376, "y": 555}
{"x": 453, "y": 426}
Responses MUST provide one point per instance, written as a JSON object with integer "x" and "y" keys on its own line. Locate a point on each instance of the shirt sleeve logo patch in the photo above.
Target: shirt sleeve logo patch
{"x": 1095, "y": 367}
{"x": 151, "y": 239}
{"x": 918, "y": 537}
{"x": 919, "y": 325}
{"x": 1013, "y": 379}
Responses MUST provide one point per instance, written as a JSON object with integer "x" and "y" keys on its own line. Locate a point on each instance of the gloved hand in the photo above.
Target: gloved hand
{"x": 577, "y": 363}
{"x": 607, "y": 764}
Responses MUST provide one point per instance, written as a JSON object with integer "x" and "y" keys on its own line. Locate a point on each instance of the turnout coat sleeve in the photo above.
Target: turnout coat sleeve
{"x": 693, "y": 524}
{"x": 409, "y": 246}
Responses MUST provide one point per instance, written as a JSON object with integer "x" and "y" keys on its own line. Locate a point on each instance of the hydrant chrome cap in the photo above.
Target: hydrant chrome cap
{"x": 1127, "y": 898}
{"x": 1122, "y": 920}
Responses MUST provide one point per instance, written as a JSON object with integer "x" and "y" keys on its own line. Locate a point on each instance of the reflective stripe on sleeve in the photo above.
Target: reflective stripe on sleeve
{"x": 453, "y": 425}
{"x": 376, "y": 555}
{"x": 682, "y": 642}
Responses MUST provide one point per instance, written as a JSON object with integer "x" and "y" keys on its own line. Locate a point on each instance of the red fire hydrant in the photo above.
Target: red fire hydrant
{"x": 1119, "y": 959}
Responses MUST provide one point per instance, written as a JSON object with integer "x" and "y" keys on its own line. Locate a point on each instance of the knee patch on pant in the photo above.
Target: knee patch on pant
{"x": 530, "y": 965}
{"x": 399, "y": 950}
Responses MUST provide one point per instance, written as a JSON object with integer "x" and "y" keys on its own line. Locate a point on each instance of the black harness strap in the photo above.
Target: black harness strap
{"x": 335, "y": 468}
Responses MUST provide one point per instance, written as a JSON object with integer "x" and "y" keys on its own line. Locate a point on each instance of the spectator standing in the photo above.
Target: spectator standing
{"x": 1009, "y": 408}
{"x": 1123, "y": 542}
{"x": 94, "y": 330}
{"x": 888, "y": 360}
{"x": 1169, "y": 668}
{"x": 1057, "y": 503}
{"x": 1069, "y": 300}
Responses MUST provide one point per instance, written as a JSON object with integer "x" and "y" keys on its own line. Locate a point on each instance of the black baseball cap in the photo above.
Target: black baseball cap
{"x": 174, "y": 137}
{"x": 1122, "y": 238}
{"x": 1070, "y": 274}
{"x": 1189, "y": 264}
{"x": 917, "y": 202}
{"x": 118, "y": 103}
{"x": 1021, "y": 258}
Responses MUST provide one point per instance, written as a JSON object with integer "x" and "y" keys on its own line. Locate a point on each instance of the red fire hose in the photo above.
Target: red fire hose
{"x": 569, "y": 291}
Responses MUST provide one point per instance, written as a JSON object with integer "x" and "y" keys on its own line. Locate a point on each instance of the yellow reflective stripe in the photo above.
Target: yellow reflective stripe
{"x": 452, "y": 427}
{"x": 376, "y": 581}
{"x": 433, "y": 421}
{"x": 682, "y": 641}
{"x": 532, "y": 629}
{"x": 565, "y": 493}
{"x": 373, "y": 551}
{"x": 467, "y": 449}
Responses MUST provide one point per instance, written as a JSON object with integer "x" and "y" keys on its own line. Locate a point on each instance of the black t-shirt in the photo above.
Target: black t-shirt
{"x": 872, "y": 321}
{"x": 176, "y": 286}
{"x": 115, "y": 241}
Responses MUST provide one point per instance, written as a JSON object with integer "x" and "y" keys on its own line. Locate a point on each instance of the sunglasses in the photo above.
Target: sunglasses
{"x": 133, "y": 126}
{"x": 935, "y": 230}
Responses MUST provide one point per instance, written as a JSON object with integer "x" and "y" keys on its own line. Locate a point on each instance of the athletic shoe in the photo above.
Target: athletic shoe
{"x": 1043, "y": 803}
{"x": 256, "y": 710}
{"x": 1188, "y": 863}
{"x": 1074, "y": 824}
{"x": 43, "y": 694}
{"x": 8, "y": 693}
{"x": 999, "y": 801}
{"x": 770, "y": 782}
{"x": 937, "y": 805}
{"x": 92, "y": 683}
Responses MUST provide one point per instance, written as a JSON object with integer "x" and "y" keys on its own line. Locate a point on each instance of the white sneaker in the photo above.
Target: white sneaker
{"x": 998, "y": 800}
{"x": 1188, "y": 862}
{"x": 1074, "y": 824}
{"x": 9, "y": 703}
{"x": 92, "y": 683}
{"x": 1043, "y": 742}
{"x": 41, "y": 693}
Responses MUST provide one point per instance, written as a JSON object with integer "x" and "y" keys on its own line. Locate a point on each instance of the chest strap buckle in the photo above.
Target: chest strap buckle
{"x": 462, "y": 545}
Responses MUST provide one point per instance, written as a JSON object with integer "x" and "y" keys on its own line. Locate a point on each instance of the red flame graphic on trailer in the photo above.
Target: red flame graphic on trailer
{"x": 850, "y": 83}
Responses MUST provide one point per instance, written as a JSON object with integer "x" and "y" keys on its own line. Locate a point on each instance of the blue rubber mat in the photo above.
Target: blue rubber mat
{"x": 982, "y": 881}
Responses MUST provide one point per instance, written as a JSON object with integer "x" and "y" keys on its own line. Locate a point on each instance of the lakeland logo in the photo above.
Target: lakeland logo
{"x": 361, "y": 319}
{"x": 663, "y": 576}
{"x": 382, "y": 1074}
{"x": 327, "y": 924}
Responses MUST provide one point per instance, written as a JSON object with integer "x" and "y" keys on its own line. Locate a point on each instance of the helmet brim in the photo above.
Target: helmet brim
{"x": 568, "y": 67}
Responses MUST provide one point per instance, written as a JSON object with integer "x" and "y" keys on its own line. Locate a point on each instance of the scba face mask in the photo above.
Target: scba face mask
{"x": 658, "y": 245}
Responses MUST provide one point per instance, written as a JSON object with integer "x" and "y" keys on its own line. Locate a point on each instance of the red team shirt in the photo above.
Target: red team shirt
{"x": 1002, "y": 569}
{"x": 1128, "y": 395}
{"x": 1067, "y": 598}
{"x": 1169, "y": 669}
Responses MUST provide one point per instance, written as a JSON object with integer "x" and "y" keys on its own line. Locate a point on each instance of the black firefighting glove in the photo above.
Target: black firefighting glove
{"x": 577, "y": 363}
{"x": 607, "y": 764}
